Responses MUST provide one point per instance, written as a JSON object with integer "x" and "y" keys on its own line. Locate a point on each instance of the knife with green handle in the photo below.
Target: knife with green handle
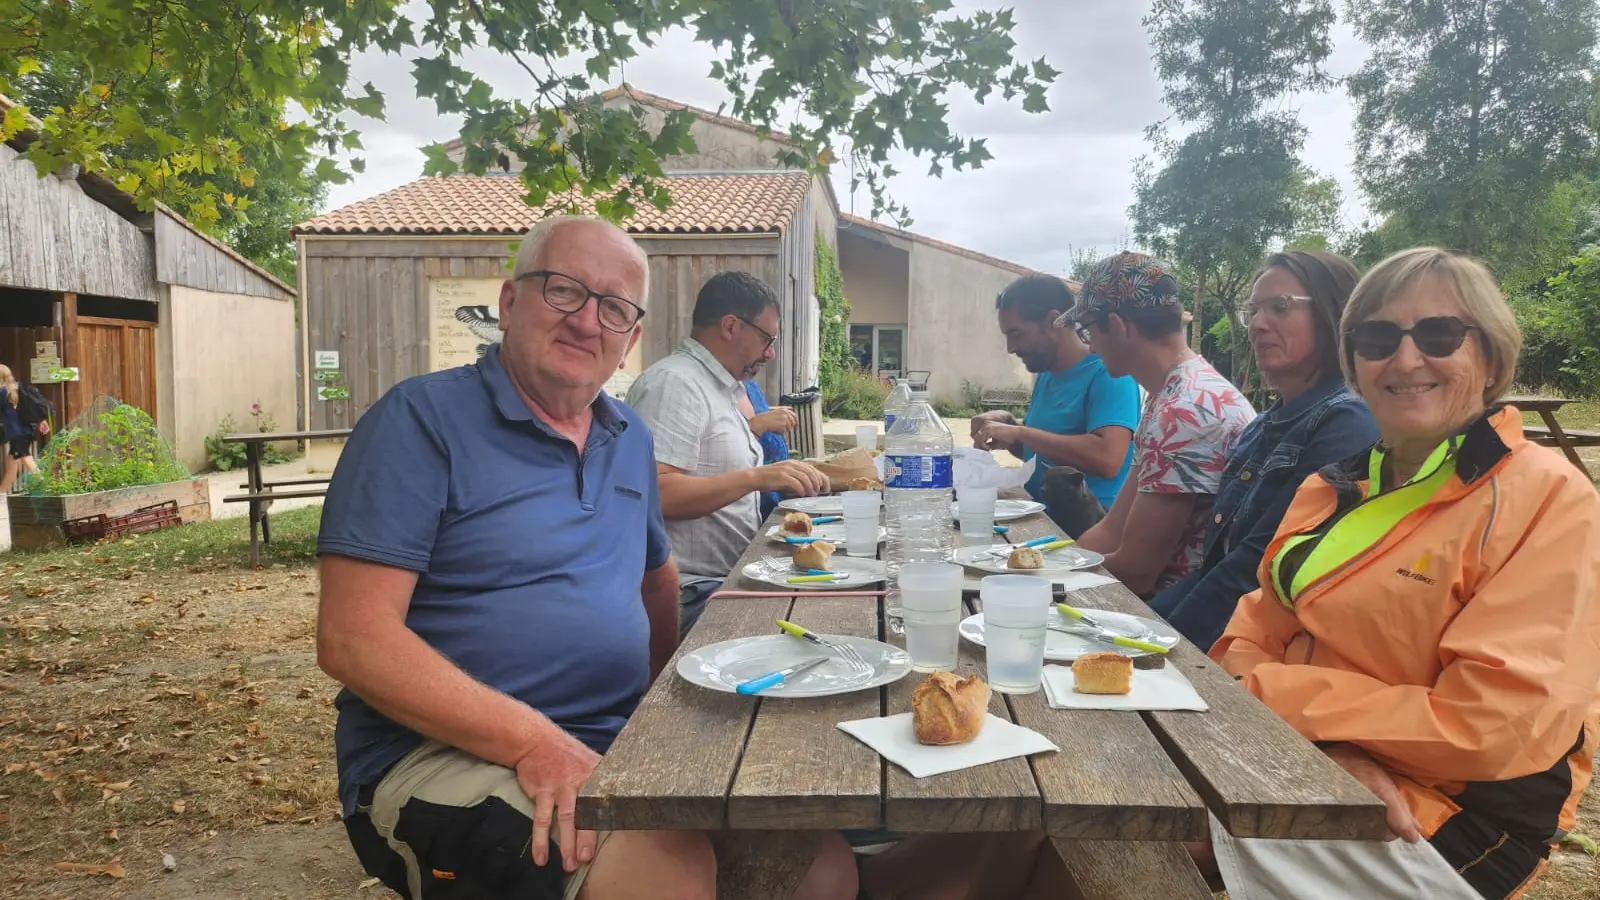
{"x": 1088, "y": 628}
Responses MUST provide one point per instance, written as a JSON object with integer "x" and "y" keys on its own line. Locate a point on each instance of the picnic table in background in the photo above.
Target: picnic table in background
{"x": 1552, "y": 434}
{"x": 259, "y": 493}
{"x": 765, "y": 775}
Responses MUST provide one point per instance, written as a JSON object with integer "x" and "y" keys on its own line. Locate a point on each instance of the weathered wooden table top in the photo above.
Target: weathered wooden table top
{"x": 692, "y": 758}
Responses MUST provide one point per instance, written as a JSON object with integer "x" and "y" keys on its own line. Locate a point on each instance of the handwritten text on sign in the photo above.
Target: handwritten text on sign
{"x": 462, "y": 318}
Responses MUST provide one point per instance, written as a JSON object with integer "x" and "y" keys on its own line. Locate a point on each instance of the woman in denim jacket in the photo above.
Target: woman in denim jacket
{"x": 1293, "y": 315}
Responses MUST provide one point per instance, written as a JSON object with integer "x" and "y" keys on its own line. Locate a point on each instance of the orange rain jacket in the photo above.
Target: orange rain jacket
{"x": 1461, "y": 650}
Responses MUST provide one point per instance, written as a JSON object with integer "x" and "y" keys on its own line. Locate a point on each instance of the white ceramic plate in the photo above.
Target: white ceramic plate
{"x": 1060, "y": 646}
{"x": 724, "y": 666}
{"x": 814, "y": 506}
{"x": 992, "y": 559}
{"x": 832, "y": 532}
{"x": 1005, "y": 510}
{"x": 858, "y": 572}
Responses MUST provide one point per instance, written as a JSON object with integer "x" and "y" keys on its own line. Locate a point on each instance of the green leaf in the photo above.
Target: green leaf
{"x": 27, "y": 66}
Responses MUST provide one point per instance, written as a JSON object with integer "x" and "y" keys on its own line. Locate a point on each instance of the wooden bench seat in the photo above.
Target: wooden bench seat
{"x": 274, "y": 495}
{"x": 287, "y": 482}
{"x": 1002, "y": 398}
{"x": 1132, "y": 870}
{"x": 1579, "y": 437}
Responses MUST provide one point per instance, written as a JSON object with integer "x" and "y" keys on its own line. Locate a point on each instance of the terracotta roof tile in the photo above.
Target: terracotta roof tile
{"x": 757, "y": 202}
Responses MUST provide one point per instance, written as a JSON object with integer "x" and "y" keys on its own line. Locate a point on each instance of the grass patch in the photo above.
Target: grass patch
{"x": 218, "y": 544}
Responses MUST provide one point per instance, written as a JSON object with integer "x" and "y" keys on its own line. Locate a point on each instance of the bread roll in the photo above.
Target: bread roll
{"x": 948, "y": 709}
{"x": 1102, "y": 673}
{"x": 1025, "y": 558}
{"x": 865, "y": 484}
{"x": 797, "y": 524}
{"x": 815, "y": 555}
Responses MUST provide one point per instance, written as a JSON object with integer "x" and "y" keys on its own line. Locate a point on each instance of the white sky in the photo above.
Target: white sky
{"x": 1059, "y": 181}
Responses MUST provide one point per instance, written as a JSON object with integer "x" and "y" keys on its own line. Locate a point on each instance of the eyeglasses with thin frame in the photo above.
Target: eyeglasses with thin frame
{"x": 566, "y": 294}
{"x": 770, "y": 338}
{"x": 1279, "y": 306}
{"x": 1435, "y": 336}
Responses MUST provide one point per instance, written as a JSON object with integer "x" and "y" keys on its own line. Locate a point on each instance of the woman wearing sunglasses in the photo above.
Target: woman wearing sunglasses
{"x": 1429, "y": 610}
{"x": 1292, "y": 318}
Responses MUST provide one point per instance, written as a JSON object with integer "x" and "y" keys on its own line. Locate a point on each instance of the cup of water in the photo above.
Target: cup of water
{"x": 1014, "y": 614}
{"x": 976, "y": 505}
{"x": 930, "y": 598}
{"x": 867, "y": 437}
{"x": 861, "y": 522}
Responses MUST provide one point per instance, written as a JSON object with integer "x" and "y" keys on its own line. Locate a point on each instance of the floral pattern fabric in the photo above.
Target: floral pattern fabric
{"x": 1182, "y": 447}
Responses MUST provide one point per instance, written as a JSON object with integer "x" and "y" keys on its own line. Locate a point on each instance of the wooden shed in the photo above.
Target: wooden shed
{"x": 142, "y": 305}
{"x": 408, "y": 281}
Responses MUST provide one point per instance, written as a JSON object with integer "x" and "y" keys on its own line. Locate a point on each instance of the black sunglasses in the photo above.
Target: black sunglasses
{"x": 1435, "y": 336}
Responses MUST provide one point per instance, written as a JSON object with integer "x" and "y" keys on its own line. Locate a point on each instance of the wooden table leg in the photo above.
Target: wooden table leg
{"x": 762, "y": 865}
{"x": 1130, "y": 870}
{"x": 255, "y": 548}
{"x": 1562, "y": 441}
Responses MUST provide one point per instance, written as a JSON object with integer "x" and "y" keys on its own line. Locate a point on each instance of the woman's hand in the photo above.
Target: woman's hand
{"x": 779, "y": 419}
{"x": 1377, "y": 779}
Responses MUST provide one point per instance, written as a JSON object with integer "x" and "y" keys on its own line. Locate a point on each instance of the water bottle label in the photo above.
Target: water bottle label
{"x": 888, "y": 422}
{"x": 918, "y": 472}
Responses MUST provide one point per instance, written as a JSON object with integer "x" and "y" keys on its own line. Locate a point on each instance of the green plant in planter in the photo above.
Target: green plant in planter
{"x": 108, "y": 446}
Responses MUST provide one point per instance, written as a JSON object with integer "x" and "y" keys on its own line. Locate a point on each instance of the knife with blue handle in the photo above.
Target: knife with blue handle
{"x": 757, "y": 685}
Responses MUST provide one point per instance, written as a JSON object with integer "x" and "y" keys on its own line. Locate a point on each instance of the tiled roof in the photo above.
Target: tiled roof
{"x": 732, "y": 203}
{"x": 845, "y": 219}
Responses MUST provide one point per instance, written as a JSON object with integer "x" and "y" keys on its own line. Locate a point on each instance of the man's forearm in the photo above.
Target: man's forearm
{"x": 660, "y": 593}
{"x": 403, "y": 678}
{"x": 1084, "y": 452}
{"x": 685, "y": 496}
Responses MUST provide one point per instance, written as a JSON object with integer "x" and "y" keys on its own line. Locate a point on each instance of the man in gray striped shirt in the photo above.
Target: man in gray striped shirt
{"x": 708, "y": 462}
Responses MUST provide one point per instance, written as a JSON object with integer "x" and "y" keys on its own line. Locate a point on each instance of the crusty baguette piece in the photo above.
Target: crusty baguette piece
{"x": 1102, "y": 673}
{"x": 948, "y": 709}
{"x": 1025, "y": 558}
{"x": 815, "y": 555}
{"x": 865, "y": 484}
{"x": 797, "y": 524}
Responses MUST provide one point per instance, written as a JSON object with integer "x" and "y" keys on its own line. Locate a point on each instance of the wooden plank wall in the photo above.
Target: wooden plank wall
{"x": 367, "y": 299}
{"x": 54, "y": 238}
{"x": 186, "y": 258}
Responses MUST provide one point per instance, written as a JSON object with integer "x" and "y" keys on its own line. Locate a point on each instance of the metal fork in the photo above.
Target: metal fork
{"x": 846, "y": 652}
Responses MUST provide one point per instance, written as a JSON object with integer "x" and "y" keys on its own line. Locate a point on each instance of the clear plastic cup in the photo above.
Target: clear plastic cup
{"x": 867, "y": 437}
{"x": 976, "y": 505}
{"x": 930, "y": 598}
{"x": 861, "y": 522}
{"x": 1015, "y": 609}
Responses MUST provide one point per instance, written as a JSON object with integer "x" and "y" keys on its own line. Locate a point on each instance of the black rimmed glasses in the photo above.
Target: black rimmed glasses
{"x": 566, "y": 294}
{"x": 770, "y": 338}
{"x": 1278, "y": 306}
{"x": 1435, "y": 336}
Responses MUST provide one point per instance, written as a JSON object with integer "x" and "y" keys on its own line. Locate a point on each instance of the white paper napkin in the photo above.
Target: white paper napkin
{"x": 1151, "y": 689}
{"x": 895, "y": 740}
{"x": 1071, "y": 581}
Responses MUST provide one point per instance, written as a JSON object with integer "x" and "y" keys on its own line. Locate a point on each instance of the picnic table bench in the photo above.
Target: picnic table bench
{"x": 764, "y": 776}
{"x": 260, "y": 493}
{"x": 1004, "y": 398}
{"x": 1552, "y": 434}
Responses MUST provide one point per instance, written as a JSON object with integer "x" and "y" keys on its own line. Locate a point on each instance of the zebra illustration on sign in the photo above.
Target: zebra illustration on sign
{"x": 483, "y": 325}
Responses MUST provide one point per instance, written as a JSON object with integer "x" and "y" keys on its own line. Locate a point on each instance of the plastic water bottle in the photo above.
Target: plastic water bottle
{"x": 896, "y": 404}
{"x": 918, "y": 491}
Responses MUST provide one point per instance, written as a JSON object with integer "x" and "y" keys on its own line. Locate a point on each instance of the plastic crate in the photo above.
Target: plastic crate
{"x": 142, "y": 520}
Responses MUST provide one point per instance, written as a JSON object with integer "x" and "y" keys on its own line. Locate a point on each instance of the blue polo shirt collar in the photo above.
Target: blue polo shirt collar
{"x": 607, "y": 418}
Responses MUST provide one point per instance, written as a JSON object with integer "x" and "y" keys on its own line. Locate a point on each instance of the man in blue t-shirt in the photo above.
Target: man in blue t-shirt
{"x": 1080, "y": 420}
{"x": 497, "y": 594}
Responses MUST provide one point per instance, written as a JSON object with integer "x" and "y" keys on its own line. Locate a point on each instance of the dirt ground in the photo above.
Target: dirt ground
{"x": 158, "y": 697}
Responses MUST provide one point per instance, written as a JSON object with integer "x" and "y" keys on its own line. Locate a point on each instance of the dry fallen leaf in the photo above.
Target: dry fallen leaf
{"x": 283, "y": 809}
{"x": 368, "y": 883}
{"x": 111, "y": 834}
{"x": 61, "y": 796}
{"x": 113, "y": 868}
{"x": 178, "y": 806}
{"x": 305, "y": 693}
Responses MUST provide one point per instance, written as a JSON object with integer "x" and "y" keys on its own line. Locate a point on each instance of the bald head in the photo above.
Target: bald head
{"x": 589, "y": 230}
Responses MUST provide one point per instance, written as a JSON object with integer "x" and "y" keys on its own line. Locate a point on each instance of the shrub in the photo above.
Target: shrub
{"x": 852, "y": 394}
{"x": 1561, "y": 329}
{"x": 110, "y": 445}
{"x": 225, "y": 456}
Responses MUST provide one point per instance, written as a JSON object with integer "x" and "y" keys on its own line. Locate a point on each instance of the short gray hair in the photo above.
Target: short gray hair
{"x": 1474, "y": 288}
{"x": 533, "y": 241}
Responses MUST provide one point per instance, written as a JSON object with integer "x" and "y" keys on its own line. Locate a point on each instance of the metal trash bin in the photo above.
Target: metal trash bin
{"x": 805, "y": 442}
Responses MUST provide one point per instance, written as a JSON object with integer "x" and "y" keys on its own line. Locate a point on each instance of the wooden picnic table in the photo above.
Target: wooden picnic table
{"x": 1553, "y": 432}
{"x": 764, "y": 776}
{"x": 260, "y": 493}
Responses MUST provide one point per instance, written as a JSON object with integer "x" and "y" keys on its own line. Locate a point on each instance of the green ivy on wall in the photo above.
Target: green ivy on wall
{"x": 835, "y": 360}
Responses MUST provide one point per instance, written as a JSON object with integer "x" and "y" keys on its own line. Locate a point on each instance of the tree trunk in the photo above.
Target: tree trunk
{"x": 1197, "y": 326}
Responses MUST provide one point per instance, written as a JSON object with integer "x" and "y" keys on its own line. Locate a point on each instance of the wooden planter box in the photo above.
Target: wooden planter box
{"x": 38, "y": 523}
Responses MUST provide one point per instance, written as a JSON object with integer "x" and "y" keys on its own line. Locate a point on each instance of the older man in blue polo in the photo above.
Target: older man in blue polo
{"x": 498, "y": 593}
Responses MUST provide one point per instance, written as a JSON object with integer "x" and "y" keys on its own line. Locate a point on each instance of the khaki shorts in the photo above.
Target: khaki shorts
{"x": 442, "y": 810}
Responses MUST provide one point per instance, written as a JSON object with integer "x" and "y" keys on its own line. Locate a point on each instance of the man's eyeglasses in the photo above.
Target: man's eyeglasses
{"x": 1435, "y": 336}
{"x": 770, "y": 338}
{"x": 566, "y": 294}
{"x": 1279, "y": 306}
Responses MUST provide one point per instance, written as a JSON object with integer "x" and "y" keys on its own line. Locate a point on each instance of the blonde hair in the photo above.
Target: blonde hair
{"x": 9, "y": 381}
{"x": 1472, "y": 285}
